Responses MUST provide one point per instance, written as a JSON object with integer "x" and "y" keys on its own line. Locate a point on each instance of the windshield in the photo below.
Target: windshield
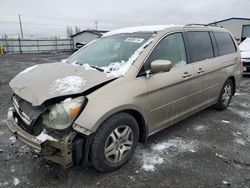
{"x": 112, "y": 51}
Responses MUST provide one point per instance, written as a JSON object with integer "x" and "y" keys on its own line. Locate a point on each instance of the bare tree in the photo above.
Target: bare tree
{"x": 77, "y": 29}
{"x": 69, "y": 31}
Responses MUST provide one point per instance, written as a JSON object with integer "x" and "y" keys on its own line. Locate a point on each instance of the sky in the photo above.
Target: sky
{"x": 49, "y": 18}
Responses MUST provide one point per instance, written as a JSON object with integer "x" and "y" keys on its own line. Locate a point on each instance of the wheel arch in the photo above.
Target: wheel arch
{"x": 232, "y": 78}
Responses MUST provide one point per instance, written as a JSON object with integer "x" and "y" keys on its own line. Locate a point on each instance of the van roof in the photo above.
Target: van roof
{"x": 149, "y": 28}
{"x": 155, "y": 28}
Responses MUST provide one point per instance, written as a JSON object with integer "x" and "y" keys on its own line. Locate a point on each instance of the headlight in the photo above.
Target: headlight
{"x": 63, "y": 114}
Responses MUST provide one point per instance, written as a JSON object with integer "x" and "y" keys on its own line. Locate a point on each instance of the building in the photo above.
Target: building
{"x": 239, "y": 27}
{"x": 86, "y": 36}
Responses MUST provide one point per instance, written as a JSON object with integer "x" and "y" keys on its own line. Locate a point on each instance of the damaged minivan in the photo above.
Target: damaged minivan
{"x": 94, "y": 107}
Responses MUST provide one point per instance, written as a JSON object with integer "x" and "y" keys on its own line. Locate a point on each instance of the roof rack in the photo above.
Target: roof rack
{"x": 194, "y": 24}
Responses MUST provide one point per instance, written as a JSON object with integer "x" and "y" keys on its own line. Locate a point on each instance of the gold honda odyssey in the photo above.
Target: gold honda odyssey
{"x": 94, "y": 107}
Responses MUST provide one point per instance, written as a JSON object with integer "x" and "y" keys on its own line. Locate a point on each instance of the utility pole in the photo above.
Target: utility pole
{"x": 21, "y": 27}
{"x": 96, "y": 24}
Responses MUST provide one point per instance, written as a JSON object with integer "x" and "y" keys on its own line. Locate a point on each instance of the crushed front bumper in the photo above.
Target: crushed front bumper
{"x": 59, "y": 151}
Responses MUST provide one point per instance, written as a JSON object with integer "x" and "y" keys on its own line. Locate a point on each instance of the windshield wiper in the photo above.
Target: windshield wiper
{"x": 97, "y": 68}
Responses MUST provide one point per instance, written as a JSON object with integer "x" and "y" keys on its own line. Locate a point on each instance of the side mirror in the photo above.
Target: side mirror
{"x": 160, "y": 66}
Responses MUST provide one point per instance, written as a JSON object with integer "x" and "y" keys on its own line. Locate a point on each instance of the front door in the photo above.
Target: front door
{"x": 169, "y": 93}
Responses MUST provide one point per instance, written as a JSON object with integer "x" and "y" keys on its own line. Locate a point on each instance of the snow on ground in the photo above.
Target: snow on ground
{"x": 225, "y": 121}
{"x": 28, "y": 69}
{"x": 69, "y": 84}
{"x": 4, "y": 184}
{"x": 163, "y": 152}
{"x": 244, "y": 114}
{"x": 199, "y": 128}
{"x": 240, "y": 141}
{"x": 12, "y": 139}
{"x": 16, "y": 181}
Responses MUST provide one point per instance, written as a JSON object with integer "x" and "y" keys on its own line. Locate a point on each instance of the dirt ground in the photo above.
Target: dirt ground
{"x": 209, "y": 149}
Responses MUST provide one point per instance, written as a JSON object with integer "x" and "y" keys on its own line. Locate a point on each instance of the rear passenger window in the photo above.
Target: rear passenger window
{"x": 200, "y": 45}
{"x": 225, "y": 43}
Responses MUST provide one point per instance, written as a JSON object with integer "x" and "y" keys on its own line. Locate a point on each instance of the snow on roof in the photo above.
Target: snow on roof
{"x": 245, "y": 45}
{"x": 151, "y": 28}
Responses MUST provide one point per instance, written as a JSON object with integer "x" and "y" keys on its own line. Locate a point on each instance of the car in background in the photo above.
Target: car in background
{"x": 245, "y": 55}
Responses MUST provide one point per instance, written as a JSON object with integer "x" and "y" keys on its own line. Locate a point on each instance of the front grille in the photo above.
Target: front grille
{"x": 27, "y": 128}
{"x": 246, "y": 64}
{"x": 27, "y": 116}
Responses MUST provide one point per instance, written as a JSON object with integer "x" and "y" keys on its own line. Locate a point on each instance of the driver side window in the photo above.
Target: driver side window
{"x": 169, "y": 48}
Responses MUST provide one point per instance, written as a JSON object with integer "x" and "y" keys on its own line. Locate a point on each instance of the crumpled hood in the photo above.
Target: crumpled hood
{"x": 39, "y": 83}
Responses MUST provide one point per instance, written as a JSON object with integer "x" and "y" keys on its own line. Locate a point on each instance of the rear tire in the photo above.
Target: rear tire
{"x": 114, "y": 142}
{"x": 225, "y": 95}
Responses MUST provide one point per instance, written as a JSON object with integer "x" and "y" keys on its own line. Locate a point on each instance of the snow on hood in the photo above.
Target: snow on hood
{"x": 47, "y": 81}
{"x": 152, "y": 28}
{"x": 245, "y": 45}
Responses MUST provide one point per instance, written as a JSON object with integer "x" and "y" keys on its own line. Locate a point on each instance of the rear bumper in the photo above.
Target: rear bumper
{"x": 59, "y": 151}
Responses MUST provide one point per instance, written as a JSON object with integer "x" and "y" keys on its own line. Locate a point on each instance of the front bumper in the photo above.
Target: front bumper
{"x": 59, "y": 151}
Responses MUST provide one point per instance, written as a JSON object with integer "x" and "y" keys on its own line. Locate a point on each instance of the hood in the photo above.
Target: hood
{"x": 245, "y": 45}
{"x": 245, "y": 55}
{"x": 39, "y": 83}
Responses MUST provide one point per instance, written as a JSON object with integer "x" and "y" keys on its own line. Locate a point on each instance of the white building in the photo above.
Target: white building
{"x": 86, "y": 36}
{"x": 239, "y": 27}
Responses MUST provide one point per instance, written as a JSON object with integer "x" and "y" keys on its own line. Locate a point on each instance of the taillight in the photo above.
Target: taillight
{"x": 242, "y": 62}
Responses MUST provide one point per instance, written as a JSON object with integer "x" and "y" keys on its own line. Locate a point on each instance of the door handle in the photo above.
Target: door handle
{"x": 200, "y": 70}
{"x": 186, "y": 75}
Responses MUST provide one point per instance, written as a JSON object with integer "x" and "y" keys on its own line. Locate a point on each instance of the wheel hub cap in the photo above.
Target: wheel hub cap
{"x": 118, "y": 144}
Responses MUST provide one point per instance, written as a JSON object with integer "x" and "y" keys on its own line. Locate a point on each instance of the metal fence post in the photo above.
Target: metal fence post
{"x": 37, "y": 45}
{"x": 20, "y": 47}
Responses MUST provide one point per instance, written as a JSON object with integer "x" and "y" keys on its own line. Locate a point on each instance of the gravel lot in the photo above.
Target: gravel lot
{"x": 209, "y": 149}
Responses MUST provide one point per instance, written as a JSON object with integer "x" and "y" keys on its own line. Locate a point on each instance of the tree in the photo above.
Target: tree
{"x": 69, "y": 31}
{"x": 77, "y": 29}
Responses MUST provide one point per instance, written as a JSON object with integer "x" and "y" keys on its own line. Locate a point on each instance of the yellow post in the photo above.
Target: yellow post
{"x": 1, "y": 49}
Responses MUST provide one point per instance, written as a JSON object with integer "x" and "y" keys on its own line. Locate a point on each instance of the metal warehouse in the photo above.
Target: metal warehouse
{"x": 240, "y": 27}
{"x": 86, "y": 36}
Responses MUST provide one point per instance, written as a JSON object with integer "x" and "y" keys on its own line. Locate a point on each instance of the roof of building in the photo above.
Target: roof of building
{"x": 97, "y": 32}
{"x": 233, "y": 18}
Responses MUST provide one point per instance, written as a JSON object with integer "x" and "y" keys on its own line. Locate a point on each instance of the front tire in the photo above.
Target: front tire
{"x": 225, "y": 95}
{"x": 114, "y": 142}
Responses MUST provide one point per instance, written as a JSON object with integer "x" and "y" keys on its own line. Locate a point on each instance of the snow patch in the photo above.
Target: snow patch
{"x": 69, "y": 84}
{"x": 16, "y": 181}
{"x": 237, "y": 94}
{"x": 3, "y": 184}
{"x": 152, "y": 28}
{"x": 12, "y": 139}
{"x": 243, "y": 114}
{"x": 163, "y": 152}
{"x": 226, "y": 182}
{"x": 28, "y": 69}
{"x": 199, "y": 128}
{"x": 43, "y": 137}
{"x": 225, "y": 121}
{"x": 240, "y": 141}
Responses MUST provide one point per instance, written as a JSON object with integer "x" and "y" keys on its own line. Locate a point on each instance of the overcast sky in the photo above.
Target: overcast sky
{"x": 47, "y": 18}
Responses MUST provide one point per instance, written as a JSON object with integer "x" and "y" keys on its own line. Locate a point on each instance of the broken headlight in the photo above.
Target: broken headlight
{"x": 62, "y": 115}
